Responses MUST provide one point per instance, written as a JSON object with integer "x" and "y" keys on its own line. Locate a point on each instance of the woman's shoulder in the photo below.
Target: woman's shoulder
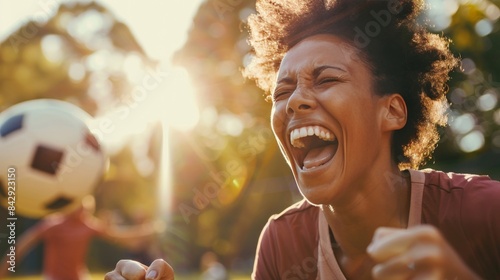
{"x": 302, "y": 207}
{"x": 300, "y": 216}
{"x": 451, "y": 181}
{"x": 469, "y": 198}
{"x": 464, "y": 207}
{"x": 288, "y": 240}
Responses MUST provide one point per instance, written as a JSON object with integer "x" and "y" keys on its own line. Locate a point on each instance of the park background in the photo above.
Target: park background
{"x": 193, "y": 147}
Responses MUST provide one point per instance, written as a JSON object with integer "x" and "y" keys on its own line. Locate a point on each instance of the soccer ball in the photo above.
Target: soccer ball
{"x": 49, "y": 158}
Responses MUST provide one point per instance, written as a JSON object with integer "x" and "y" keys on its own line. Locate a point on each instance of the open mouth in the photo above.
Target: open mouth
{"x": 314, "y": 146}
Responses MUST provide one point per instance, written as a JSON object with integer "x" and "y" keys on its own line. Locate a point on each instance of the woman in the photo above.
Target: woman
{"x": 358, "y": 89}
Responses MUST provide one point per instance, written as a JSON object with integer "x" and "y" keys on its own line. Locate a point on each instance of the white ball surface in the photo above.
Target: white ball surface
{"x": 57, "y": 160}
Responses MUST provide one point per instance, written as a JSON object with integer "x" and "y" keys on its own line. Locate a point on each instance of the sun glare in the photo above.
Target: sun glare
{"x": 161, "y": 97}
{"x": 170, "y": 105}
{"x": 170, "y": 100}
{"x": 180, "y": 109}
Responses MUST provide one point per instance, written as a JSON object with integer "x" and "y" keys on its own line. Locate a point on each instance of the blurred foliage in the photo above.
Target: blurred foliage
{"x": 471, "y": 142}
{"x": 83, "y": 55}
{"x": 241, "y": 177}
{"x": 228, "y": 173}
{"x": 77, "y": 56}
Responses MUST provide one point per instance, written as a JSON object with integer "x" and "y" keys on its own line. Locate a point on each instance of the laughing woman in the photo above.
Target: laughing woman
{"x": 358, "y": 90}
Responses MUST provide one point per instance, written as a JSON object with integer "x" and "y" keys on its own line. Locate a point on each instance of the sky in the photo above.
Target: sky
{"x": 160, "y": 26}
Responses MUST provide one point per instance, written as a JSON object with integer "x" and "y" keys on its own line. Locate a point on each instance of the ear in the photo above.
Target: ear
{"x": 394, "y": 112}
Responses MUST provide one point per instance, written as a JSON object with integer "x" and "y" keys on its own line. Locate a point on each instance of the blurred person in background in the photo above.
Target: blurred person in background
{"x": 66, "y": 238}
{"x": 211, "y": 267}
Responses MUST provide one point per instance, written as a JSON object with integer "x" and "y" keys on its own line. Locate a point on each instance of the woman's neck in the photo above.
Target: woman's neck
{"x": 384, "y": 202}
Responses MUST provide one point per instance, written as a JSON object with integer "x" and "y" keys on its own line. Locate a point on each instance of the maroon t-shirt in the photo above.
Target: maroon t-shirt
{"x": 465, "y": 208}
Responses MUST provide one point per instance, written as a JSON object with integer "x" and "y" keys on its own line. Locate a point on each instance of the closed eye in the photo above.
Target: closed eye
{"x": 280, "y": 93}
{"x": 328, "y": 80}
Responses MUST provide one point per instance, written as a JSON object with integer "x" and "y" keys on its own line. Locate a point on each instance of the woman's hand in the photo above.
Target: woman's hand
{"x": 419, "y": 252}
{"x": 132, "y": 270}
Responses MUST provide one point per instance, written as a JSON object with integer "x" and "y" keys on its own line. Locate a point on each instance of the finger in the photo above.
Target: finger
{"x": 401, "y": 240}
{"x": 159, "y": 270}
{"x": 400, "y": 267}
{"x": 113, "y": 275}
{"x": 131, "y": 270}
{"x": 398, "y": 271}
{"x": 430, "y": 275}
{"x": 389, "y": 243}
{"x": 384, "y": 231}
{"x": 419, "y": 262}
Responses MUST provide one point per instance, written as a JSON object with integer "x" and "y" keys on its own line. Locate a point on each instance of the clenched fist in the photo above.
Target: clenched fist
{"x": 132, "y": 270}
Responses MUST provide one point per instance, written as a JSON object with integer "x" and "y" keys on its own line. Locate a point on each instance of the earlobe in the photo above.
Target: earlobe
{"x": 395, "y": 113}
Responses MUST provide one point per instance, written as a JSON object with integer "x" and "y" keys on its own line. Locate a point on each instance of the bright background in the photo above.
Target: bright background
{"x": 159, "y": 26}
{"x": 195, "y": 149}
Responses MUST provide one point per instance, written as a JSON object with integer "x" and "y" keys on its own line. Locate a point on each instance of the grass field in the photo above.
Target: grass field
{"x": 98, "y": 276}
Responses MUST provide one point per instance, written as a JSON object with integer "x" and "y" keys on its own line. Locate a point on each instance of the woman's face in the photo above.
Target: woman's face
{"x": 325, "y": 117}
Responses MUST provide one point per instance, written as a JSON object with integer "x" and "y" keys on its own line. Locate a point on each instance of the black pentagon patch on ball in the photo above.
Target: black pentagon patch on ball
{"x": 58, "y": 203}
{"x": 47, "y": 159}
{"x": 12, "y": 124}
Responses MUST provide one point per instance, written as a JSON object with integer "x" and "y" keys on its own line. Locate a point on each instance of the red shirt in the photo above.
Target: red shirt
{"x": 465, "y": 208}
{"x": 65, "y": 247}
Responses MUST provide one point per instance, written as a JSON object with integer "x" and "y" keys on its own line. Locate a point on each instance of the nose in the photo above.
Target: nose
{"x": 301, "y": 101}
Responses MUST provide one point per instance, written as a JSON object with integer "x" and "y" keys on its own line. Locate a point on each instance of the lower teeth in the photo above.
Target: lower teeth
{"x": 312, "y": 167}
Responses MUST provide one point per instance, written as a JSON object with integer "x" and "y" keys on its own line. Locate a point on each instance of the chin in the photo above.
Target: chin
{"x": 317, "y": 195}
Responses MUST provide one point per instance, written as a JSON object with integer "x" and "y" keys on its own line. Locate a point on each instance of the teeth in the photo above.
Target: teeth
{"x": 310, "y": 131}
{"x": 303, "y": 132}
{"x": 320, "y": 132}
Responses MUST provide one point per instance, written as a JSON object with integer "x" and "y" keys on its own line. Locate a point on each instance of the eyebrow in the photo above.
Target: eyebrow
{"x": 315, "y": 72}
{"x": 320, "y": 69}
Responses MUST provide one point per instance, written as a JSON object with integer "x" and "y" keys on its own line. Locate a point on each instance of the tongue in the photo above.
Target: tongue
{"x": 319, "y": 156}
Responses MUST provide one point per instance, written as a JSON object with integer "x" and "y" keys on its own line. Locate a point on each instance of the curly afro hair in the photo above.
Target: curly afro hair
{"x": 402, "y": 55}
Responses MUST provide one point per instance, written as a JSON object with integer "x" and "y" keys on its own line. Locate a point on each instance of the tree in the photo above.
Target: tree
{"x": 239, "y": 171}
{"x": 471, "y": 143}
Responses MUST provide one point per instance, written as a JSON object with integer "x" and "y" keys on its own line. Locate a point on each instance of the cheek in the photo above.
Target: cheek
{"x": 279, "y": 128}
{"x": 350, "y": 106}
{"x": 277, "y": 120}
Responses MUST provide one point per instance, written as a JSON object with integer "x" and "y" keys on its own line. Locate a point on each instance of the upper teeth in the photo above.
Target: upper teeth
{"x": 298, "y": 133}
